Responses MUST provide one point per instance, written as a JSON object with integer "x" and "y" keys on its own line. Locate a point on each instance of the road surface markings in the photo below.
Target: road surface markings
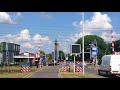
{"x": 59, "y": 74}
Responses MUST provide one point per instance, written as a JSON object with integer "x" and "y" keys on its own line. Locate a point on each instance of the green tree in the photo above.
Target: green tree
{"x": 0, "y": 48}
{"x": 117, "y": 46}
{"x": 61, "y": 55}
{"x": 70, "y": 57}
{"x": 101, "y": 44}
{"x": 49, "y": 56}
{"x": 42, "y": 52}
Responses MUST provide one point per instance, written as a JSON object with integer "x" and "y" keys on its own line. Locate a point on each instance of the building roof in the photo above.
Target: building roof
{"x": 25, "y": 55}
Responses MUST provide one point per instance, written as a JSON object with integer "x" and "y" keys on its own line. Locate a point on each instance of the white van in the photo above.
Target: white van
{"x": 110, "y": 65}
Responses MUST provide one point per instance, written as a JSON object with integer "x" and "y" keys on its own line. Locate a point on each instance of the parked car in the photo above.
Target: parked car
{"x": 51, "y": 64}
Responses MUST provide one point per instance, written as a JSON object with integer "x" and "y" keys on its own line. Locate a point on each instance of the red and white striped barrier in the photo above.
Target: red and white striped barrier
{"x": 78, "y": 69}
{"x": 25, "y": 69}
{"x": 113, "y": 52}
{"x": 64, "y": 69}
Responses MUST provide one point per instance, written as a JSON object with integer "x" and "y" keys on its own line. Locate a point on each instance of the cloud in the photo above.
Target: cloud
{"x": 9, "y": 38}
{"x": 19, "y": 14}
{"x": 26, "y": 41}
{"x": 38, "y": 38}
{"x": 97, "y": 22}
{"x": 107, "y": 36}
{"x": 45, "y": 15}
{"x": 27, "y": 45}
{"x": 24, "y": 35}
{"x": 76, "y": 36}
{"x": 5, "y": 18}
{"x": 76, "y": 24}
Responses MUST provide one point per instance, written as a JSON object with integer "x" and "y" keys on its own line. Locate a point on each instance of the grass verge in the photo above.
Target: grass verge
{"x": 14, "y": 72}
{"x": 76, "y": 75}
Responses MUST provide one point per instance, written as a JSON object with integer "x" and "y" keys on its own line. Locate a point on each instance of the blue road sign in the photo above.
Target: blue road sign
{"x": 94, "y": 51}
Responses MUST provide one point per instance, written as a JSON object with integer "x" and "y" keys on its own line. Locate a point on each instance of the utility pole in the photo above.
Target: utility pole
{"x": 83, "y": 41}
{"x": 28, "y": 58}
{"x": 65, "y": 50}
{"x": 74, "y": 63}
{"x": 61, "y": 55}
{"x": 39, "y": 54}
{"x": 95, "y": 43}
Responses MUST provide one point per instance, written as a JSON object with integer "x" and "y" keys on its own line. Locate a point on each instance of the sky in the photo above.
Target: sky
{"x": 40, "y": 29}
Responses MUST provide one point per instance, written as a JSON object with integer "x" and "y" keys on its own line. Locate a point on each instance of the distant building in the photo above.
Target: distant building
{"x": 56, "y": 50}
{"x": 25, "y": 57}
{"x": 7, "y": 52}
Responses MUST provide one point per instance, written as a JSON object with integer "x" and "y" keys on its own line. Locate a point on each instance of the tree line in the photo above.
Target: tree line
{"x": 103, "y": 47}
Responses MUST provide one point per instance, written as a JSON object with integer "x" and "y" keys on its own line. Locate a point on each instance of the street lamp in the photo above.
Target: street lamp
{"x": 83, "y": 41}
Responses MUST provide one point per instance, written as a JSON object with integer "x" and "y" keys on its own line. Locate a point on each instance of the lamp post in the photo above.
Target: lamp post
{"x": 95, "y": 43}
{"x": 65, "y": 50}
{"x": 83, "y": 41}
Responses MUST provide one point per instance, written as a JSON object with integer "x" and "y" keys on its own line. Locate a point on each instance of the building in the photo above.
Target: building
{"x": 56, "y": 51}
{"x": 7, "y": 52}
{"x": 26, "y": 57}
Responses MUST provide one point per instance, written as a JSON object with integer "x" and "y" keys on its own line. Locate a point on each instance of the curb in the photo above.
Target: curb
{"x": 59, "y": 74}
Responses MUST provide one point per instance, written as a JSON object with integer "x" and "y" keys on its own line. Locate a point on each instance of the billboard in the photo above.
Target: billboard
{"x": 75, "y": 48}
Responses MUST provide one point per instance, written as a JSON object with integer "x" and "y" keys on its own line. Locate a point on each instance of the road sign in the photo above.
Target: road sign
{"x": 75, "y": 48}
{"x": 94, "y": 51}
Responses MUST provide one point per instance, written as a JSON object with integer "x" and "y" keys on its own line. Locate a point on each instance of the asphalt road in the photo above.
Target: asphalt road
{"x": 94, "y": 72}
{"x": 50, "y": 72}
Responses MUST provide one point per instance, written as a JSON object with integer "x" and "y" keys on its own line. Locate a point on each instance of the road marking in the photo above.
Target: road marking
{"x": 28, "y": 75}
{"x": 59, "y": 74}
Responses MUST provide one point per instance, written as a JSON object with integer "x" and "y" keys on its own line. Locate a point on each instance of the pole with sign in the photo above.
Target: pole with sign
{"x": 94, "y": 52}
{"x": 75, "y": 50}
